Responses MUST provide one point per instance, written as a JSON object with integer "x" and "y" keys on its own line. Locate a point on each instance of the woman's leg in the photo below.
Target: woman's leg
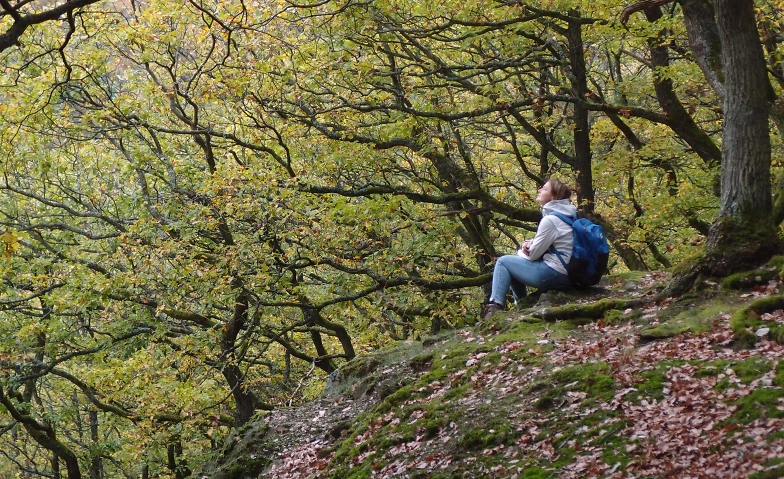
{"x": 502, "y": 280}
{"x": 531, "y": 273}
{"x": 519, "y": 290}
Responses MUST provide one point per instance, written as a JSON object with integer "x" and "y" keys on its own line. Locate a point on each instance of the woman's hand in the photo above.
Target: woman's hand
{"x": 526, "y": 247}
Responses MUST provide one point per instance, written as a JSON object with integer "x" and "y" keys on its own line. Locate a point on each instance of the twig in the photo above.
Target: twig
{"x": 302, "y": 380}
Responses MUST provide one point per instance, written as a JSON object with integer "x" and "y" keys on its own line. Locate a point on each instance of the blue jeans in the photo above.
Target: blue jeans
{"x": 524, "y": 272}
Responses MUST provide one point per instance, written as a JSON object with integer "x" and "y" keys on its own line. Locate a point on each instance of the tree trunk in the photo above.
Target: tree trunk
{"x": 744, "y": 235}
{"x": 95, "y": 464}
{"x": 582, "y": 128}
{"x": 704, "y": 41}
{"x": 745, "y": 179}
{"x": 245, "y": 401}
{"x": 682, "y": 123}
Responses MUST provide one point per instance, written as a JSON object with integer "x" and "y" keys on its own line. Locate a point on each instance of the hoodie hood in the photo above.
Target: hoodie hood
{"x": 559, "y": 206}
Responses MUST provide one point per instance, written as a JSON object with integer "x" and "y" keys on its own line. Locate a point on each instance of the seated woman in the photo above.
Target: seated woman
{"x": 535, "y": 265}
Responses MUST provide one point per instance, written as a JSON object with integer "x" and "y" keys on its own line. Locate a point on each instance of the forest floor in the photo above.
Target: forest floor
{"x": 661, "y": 390}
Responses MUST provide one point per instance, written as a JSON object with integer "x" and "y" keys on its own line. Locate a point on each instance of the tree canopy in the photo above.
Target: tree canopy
{"x": 209, "y": 206}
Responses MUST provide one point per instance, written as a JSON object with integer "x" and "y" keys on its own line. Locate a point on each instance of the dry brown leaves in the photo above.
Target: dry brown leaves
{"x": 677, "y": 436}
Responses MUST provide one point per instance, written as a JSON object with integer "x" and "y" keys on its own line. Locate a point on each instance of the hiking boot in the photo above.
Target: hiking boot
{"x": 490, "y": 310}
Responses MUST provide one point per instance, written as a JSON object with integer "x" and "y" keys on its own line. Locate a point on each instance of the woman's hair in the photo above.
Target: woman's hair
{"x": 559, "y": 190}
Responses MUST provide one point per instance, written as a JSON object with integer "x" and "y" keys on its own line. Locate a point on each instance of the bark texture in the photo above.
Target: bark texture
{"x": 744, "y": 235}
{"x": 681, "y": 121}
{"x": 581, "y": 131}
{"x": 704, "y": 42}
{"x": 745, "y": 178}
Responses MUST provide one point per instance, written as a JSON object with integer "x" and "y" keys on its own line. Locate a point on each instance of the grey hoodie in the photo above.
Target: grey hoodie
{"x": 553, "y": 231}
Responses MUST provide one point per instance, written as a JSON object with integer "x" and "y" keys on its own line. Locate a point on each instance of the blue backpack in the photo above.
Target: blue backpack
{"x": 589, "y": 253}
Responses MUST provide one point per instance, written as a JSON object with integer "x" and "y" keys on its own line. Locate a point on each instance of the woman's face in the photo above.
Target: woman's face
{"x": 544, "y": 195}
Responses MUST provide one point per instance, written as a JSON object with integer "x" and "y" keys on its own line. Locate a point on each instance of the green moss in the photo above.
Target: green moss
{"x": 536, "y": 472}
{"x": 458, "y": 391}
{"x": 565, "y": 456}
{"x": 744, "y": 338}
{"x": 577, "y": 322}
{"x": 745, "y": 322}
{"x": 495, "y": 433}
{"x": 552, "y": 397}
{"x": 751, "y": 368}
{"x": 748, "y": 279}
{"x": 398, "y": 397}
{"x": 776, "y": 435}
{"x": 666, "y": 330}
{"x": 592, "y": 378}
{"x": 746, "y": 371}
{"x": 760, "y": 404}
{"x": 346, "y": 449}
{"x": 422, "y": 362}
{"x": 776, "y": 473}
{"x": 451, "y": 359}
{"x": 613, "y": 316}
{"x": 594, "y": 310}
{"x": 778, "y": 380}
{"x": 688, "y": 264}
{"x": 616, "y": 451}
{"x": 353, "y": 473}
{"x": 692, "y": 320}
{"x": 651, "y": 385}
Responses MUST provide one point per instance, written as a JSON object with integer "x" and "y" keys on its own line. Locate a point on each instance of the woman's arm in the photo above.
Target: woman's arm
{"x": 545, "y": 236}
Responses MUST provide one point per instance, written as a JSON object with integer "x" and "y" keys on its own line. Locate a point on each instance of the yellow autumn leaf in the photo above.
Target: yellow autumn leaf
{"x": 11, "y": 242}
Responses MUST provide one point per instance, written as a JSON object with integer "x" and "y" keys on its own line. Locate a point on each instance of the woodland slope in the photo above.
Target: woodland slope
{"x": 210, "y": 207}
{"x": 613, "y": 382}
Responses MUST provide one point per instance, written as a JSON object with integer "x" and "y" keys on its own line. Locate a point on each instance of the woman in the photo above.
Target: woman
{"x": 534, "y": 265}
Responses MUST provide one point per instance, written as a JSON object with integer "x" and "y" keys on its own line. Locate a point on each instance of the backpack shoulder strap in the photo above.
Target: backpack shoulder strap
{"x": 558, "y": 255}
{"x": 567, "y": 219}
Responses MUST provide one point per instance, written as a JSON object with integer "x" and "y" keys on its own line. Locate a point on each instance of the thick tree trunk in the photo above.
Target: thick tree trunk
{"x": 745, "y": 234}
{"x": 745, "y": 179}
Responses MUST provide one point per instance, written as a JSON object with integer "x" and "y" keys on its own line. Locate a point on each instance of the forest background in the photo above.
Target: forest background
{"x": 209, "y": 206}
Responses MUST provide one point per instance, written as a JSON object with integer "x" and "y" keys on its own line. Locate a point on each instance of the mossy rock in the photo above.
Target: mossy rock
{"x": 362, "y": 371}
{"x": 616, "y": 316}
{"x": 747, "y": 323}
{"x": 748, "y": 279}
{"x": 240, "y": 457}
{"x": 593, "y": 310}
{"x": 692, "y": 320}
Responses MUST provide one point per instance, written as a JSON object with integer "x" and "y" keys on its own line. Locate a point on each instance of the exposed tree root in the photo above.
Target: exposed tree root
{"x": 588, "y": 311}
